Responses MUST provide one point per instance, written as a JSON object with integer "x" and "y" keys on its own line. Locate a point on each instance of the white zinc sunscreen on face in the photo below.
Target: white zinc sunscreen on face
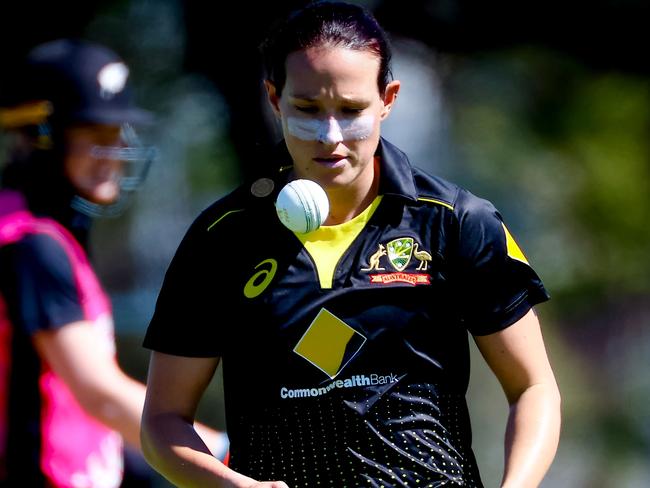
{"x": 331, "y": 130}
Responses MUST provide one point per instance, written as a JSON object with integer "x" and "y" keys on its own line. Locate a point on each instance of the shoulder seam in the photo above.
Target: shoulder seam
{"x": 436, "y": 201}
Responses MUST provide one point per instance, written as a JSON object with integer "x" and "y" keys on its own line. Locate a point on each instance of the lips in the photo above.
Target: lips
{"x": 330, "y": 160}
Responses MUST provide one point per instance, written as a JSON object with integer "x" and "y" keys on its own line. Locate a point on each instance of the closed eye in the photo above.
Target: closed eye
{"x": 307, "y": 110}
{"x": 352, "y": 111}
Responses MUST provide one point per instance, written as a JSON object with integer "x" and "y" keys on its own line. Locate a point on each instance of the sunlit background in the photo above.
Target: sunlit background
{"x": 542, "y": 109}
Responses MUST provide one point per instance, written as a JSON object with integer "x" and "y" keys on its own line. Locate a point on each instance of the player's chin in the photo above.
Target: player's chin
{"x": 105, "y": 193}
{"x": 333, "y": 182}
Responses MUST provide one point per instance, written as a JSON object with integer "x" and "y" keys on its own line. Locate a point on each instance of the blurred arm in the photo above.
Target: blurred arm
{"x": 517, "y": 357}
{"x": 76, "y": 354}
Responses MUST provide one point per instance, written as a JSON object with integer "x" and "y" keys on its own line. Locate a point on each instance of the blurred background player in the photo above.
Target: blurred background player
{"x": 65, "y": 404}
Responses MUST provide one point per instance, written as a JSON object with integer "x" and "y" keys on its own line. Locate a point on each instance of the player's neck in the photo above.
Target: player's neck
{"x": 349, "y": 201}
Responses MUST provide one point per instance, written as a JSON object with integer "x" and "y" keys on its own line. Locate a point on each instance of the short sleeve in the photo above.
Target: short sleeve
{"x": 496, "y": 284}
{"x": 184, "y": 319}
{"x": 39, "y": 285}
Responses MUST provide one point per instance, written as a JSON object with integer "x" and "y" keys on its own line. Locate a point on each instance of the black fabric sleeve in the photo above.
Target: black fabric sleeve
{"x": 39, "y": 285}
{"x": 187, "y": 310}
{"x": 496, "y": 284}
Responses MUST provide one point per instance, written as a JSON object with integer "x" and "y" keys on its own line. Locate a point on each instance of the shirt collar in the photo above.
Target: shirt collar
{"x": 396, "y": 177}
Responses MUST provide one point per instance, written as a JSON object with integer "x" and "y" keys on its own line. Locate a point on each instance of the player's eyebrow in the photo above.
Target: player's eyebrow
{"x": 313, "y": 99}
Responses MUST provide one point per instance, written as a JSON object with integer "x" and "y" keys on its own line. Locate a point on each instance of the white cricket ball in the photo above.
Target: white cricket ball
{"x": 302, "y": 206}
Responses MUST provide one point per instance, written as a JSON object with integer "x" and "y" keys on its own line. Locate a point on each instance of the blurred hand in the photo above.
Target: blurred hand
{"x": 215, "y": 440}
{"x": 219, "y": 445}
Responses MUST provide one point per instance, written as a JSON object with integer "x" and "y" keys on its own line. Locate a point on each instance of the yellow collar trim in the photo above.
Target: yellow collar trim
{"x": 328, "y": 243}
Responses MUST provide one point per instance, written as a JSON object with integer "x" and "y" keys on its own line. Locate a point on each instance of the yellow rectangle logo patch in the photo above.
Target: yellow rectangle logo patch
{"x": 329, "y": 343}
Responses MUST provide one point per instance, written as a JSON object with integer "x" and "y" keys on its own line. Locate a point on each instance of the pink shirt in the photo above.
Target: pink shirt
{"x": 76, "y": 450}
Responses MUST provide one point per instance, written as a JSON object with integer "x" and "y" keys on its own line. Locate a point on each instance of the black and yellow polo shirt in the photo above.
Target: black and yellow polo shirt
{"x": 345, "y": 351}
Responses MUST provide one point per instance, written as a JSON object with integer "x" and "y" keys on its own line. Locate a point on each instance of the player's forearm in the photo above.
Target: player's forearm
{"x": 172, "y": 447}
{"x": 117, "y": 403}
{"x": 119, "y": 406}
{"x": 532, "y": 436}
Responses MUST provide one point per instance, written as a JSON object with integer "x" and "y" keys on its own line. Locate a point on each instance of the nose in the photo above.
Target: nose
{"x": 330, "y": 132}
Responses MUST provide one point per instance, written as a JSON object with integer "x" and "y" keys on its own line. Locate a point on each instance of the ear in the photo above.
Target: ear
{"x": 272, "y": 96}
{"x": 390, "y": 95}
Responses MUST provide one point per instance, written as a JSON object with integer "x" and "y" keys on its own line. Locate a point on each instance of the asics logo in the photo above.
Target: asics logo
{"x": 260, "y": 280}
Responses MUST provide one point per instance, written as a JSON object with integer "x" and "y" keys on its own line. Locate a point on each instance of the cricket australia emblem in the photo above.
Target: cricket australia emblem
{"x": 400, "y": 252}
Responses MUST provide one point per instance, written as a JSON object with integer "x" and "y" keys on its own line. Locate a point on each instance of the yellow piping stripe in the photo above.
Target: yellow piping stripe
{"x": 439, "y": 202}
{"x": 223, "y": 217}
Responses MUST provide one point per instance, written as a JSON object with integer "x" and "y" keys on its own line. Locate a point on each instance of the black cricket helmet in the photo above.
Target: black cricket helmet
{"x": 68, "y": 82}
